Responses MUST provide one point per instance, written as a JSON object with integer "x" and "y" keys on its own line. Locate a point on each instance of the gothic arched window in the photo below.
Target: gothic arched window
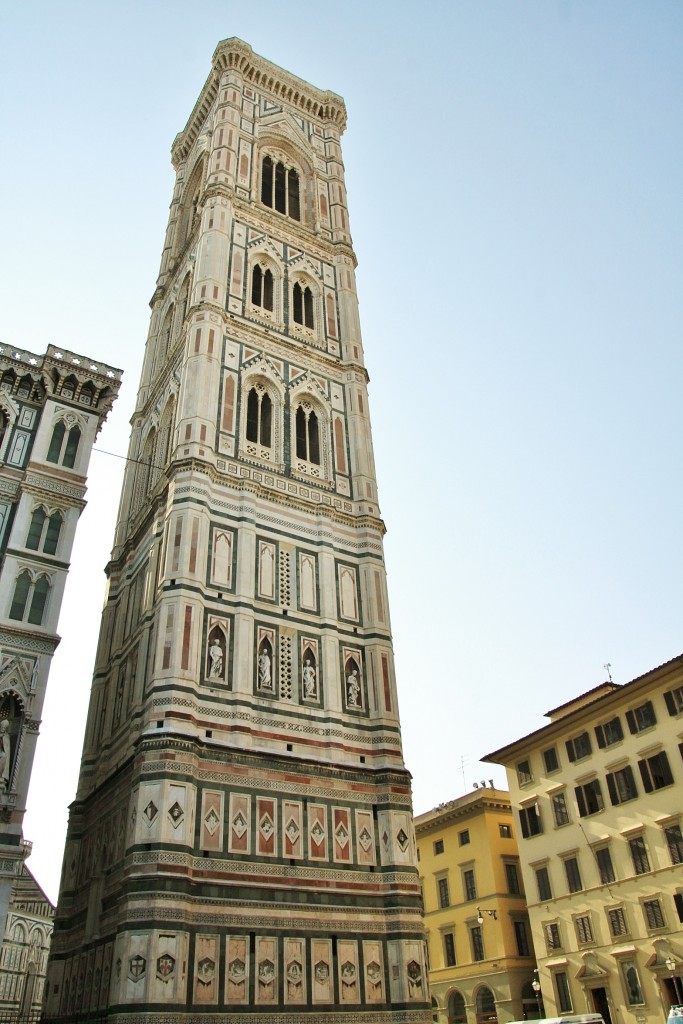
{"x": 64, "y": 445}
{"x": 262, "y": 290}
{"x": 280, "y": 188}
{"x": 302, "y": 305}
{"x": 259, "y": 417}
{"x": 307, "y": 435}
{"x": 31, "y": 595}
{"x": 43, "y": 531}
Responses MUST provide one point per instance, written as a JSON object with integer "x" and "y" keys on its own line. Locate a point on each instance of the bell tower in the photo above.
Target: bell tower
{"x": 241, "y": 842}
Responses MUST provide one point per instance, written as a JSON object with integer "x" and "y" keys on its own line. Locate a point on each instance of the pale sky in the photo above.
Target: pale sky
{"x": 514, "y": 181}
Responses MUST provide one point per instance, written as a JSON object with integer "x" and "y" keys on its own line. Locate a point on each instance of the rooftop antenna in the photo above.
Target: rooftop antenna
{"x": 607, "y": 668}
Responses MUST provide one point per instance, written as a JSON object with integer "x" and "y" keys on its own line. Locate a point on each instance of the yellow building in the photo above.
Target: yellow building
{"x": 481, "y": 964}
{"x": 598, "y": 795}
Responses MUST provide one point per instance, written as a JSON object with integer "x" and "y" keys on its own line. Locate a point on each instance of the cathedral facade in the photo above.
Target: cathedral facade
{"x": 241, "y": 843}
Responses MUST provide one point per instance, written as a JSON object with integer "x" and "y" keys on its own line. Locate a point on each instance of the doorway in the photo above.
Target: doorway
{"x": 601, "y": 1004}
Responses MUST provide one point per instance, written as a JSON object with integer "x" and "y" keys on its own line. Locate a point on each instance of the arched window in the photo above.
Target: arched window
{"x": 307, "y": 435}
{"x": 43, "y": 532}
{"x": 64, "y": 445}
{"x": 68, "y": 388}
{"x": 486, "y": 1006}
{"x": 260, "y": 417}
{"x": 35, "y": 530}
{"x": 262, "y": 290}
{"x": 280, "y": 189}
{"x": 302, "y": 305}
{"x": 457, "y": 1014}
{"x": 29, "y": 595}
{"x": 25, "y": 387}
{"x": 8, "y": 380}
{"x": 87, "y": 394}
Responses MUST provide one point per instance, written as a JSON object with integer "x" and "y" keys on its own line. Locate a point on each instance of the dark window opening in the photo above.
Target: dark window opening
{"x": 280, "y": 188}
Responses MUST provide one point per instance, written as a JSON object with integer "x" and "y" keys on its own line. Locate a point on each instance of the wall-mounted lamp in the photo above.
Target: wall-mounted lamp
{"x": 670, "y": 963}
{"x": 491, "y": 913}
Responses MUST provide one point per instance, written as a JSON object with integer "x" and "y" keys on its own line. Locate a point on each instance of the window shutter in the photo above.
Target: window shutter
{"x": 620, "y": 731}
{"x": 612, "y": 788}
{"x": 600, "y": 736}
{"x": 645, "y": 775}
{"x": 628, "y": 773}
{"x": 524, "y": 823}
{"x": 665, "y": 768}
{"x": 670, "y": 703}
{"x": 570, "y": 750}
{"x": 680, "y": 747}
{"x": 631, "y": 719}
{"x": 651, "y": 711}
{"x": 678, "y": 903}
{"x": 580, "y": 801}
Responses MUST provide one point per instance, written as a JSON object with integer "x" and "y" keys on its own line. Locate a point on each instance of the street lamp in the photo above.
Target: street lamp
{"x": 536, "y": 986}
{"x": 491, "y": 913}
{"x": 671, "y": 965}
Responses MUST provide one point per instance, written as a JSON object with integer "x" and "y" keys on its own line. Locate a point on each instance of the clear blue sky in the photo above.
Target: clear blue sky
{"x": 514, "y": 180}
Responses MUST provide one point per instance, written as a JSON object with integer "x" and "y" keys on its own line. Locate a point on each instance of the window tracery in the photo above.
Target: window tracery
{"x": 30, "y": 598}
{"x": 64, "y": 443}
{"x": 280, "y": 187}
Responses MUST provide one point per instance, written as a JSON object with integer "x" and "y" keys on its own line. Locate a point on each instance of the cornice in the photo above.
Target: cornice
{"x": 28, "y": 640}
{"x": 234, "y": 54}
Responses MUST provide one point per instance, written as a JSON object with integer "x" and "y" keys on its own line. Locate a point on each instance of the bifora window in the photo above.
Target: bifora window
{"x": 64, "y": 445}
{"x": 29, "y": 599}
{"x": 43, "y": 532}
{"x": 280, "y": 189}
{"x": 259, "y": 417}
{"x": 307, "y": 435}
{"x": 302, "y": 305}
{"x": 262, "y": 288}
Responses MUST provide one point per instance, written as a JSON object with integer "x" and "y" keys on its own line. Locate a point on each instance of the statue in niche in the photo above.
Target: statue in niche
{"x": 265, "y": 680}
{"x": 353, "y": 689}
{"x": 5, "y": 754}
{"x": 216, "y": 659}
{"x": 308, "y": 678}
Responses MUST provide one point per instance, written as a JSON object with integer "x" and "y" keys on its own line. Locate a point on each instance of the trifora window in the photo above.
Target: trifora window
{"x": 280, "y": 188}
{"x": 259, "y": 417}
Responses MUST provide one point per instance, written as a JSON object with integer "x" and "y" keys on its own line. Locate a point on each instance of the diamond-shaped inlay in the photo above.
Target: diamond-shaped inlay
{"x": 341, "y": 835}
{"x": 266, "y": 826}
{"x": 292, "y": 830}
{"x": 212, "y": 821}
{"x": 385, "y": 837}
{"x": 402, "y": 840}
{"x": 318, "y": 833}
{"x": 239, "y": 825}
{"x": 176, "y": 814}
{"x": 150, "y": 812}
{"x": 365, "y": 839}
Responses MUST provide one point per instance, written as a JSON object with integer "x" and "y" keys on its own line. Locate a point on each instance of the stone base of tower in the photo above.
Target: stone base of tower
{"x": 242, "y": 887}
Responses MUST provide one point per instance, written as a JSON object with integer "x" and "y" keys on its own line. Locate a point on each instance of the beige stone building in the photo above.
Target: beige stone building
{"x": 51, "y": 408}
{"x": 598, "y": 796}
{"x": 481, "y": 963}
{"x": 241, "y": 844}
